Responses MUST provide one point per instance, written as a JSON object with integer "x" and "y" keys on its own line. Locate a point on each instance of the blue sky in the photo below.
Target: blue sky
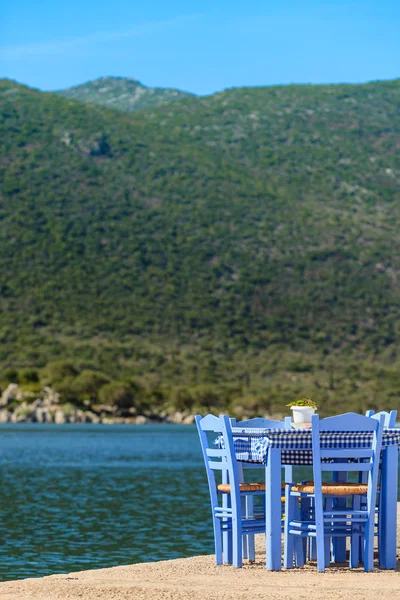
{"x": 201, "y": 46}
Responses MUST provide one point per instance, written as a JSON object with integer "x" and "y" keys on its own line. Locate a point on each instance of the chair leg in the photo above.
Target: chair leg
{"x": 250, "y": 550}
{"x": 355, "y": 540}
{"x": 320, "y": 540}
{"x": 355, "y": 550}
{"x": 236, "y": 544}
{"x": 369, "y": 545}
{"x": 304, "y": 504}
{"x": 237, "y": 514}
{"x": 327, "y": 551}
{"x": 320, "y": 553}
{"x": 380, "y": 529}
{"x": 227, "y": 535}
{"x": 388, "y": 515}
{"x": 339, "y": 543}
{"x": 327, "y": 543}
{"x": 245, "y": 540}
{"x": 290, "y": 502}
{"x": 312, "y": 549}
{"x": 307, "y": 508}
{"x": 217, "y": 541}
{"x": 229, "y": 553}
{"x": 298, "y": 544}
{"x": 298, "y": 541}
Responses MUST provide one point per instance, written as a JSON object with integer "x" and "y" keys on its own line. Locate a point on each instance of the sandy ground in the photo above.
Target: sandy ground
{"x": 199, "y": 578}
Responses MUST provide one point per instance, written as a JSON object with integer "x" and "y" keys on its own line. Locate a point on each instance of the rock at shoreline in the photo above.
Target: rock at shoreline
{"x": 90, "y": 417}
{"x": 50, "y": 397}
{"x": 176, "y": 417}
{"x": 41, "y": 415}
{"x": 141, "y": 420}
{"x": 59, "y": 417}
{"x": 12, "y": 392}
{"x": 4, "y": 416}
{"x": 188, "y": 420}
{"x": 19, "y": 406}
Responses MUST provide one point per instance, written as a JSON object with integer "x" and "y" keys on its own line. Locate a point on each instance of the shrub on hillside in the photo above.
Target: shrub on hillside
{"x": 89, "y": 383}
{"x": 29, "y": 376}
{"x": 202, "y": 398}
{"x": 117, "y": 393}
{"x": 67, "y": 390}
{"x": 181, "y": 398}
{"x": 59, "y": 371}
{"x": 11, "y": 376}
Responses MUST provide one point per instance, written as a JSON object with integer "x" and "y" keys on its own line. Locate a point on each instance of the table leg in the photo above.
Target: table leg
{"x": 273, "y": 510}
{"x": 388, "y": 504}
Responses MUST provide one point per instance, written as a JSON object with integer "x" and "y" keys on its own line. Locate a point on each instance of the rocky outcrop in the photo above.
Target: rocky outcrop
{"x": 12, "y": 392}
{"x": 18, "y": 406}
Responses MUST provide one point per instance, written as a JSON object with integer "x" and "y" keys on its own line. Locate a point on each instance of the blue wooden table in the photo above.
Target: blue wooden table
{"x": 280, "y": 447}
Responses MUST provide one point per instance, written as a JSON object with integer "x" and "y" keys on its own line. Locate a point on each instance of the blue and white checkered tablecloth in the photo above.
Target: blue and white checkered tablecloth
{"x": 252, "y": 445}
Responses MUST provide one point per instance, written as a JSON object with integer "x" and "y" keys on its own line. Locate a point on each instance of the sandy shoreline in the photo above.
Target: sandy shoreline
{"x": 198, "y": 578}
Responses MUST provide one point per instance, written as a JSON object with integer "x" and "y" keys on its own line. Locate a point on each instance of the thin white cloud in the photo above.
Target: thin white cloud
{"x": 66, "y": 46}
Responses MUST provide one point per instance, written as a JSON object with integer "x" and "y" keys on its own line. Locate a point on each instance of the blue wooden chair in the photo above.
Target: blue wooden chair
{"x": 390, "y": 417}
{"x": 257, "y": 423}
{"x": 390, "y": 422}
{"x": 227, "y": 515}
{"x": 326, "y": 520}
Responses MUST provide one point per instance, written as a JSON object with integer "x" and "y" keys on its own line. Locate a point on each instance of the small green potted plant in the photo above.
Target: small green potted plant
{"x": 303, "y": 410}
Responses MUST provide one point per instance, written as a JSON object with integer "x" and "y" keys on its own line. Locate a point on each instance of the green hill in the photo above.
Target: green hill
{"x": 122, "y": 93}
{"x": 235, "y": 250}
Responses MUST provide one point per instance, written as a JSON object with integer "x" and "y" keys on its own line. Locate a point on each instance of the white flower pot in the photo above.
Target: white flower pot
{"x": 302, "y": 415}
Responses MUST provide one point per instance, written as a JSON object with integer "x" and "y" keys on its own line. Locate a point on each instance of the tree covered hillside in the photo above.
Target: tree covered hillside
{"x": 237, "y": 249}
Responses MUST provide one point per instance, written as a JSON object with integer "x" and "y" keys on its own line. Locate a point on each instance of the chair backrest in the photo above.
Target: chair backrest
{"x": 261, "y": 423}
{"x": 216, "y": 458}
{"x": 339, "y": 456}
{"x": 390, "y": 417}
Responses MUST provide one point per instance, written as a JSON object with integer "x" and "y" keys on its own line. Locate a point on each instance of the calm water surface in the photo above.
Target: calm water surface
{"x": 77, "y": 497}
{"x": 80, "y": 497}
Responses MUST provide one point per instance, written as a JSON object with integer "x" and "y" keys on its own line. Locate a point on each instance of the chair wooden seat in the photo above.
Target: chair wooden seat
{"x": 225, "y": 488}
{"x": 333, "y": 488}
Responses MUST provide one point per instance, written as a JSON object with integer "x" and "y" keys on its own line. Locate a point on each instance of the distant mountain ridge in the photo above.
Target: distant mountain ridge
{"x": 122, "y": 93}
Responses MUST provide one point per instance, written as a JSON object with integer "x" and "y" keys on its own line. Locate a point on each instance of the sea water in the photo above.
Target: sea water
{"x": 76, "y": 497}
